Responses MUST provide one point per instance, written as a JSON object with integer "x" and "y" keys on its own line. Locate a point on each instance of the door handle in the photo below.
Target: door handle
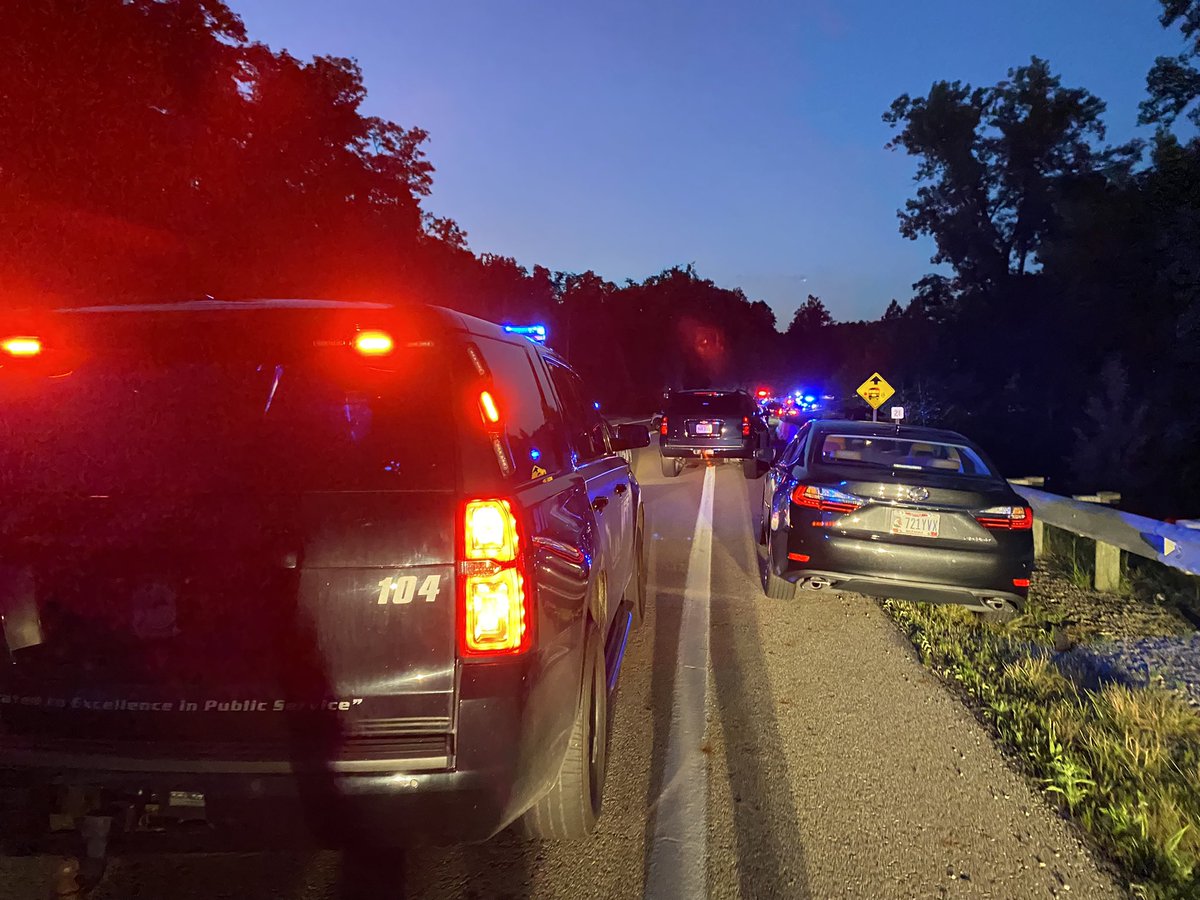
{"x": 622, "y": 488}
{"x": 599, "y": 503}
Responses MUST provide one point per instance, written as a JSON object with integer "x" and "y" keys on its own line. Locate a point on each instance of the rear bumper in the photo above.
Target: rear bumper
{"x": 692, "y": 449}
{"x": 507, "y": 750}
{"x": 968, "y": 577}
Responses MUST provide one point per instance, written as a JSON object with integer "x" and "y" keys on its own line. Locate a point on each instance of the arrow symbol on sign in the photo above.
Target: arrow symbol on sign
{"x": 875, "y": 380}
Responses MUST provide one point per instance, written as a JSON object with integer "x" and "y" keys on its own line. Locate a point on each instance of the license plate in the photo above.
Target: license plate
{"x": 916, "y": 524}
{"x": 703, "y": 428}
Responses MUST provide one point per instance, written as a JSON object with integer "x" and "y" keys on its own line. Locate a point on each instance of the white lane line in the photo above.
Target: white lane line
{"x": 678, "y": 856}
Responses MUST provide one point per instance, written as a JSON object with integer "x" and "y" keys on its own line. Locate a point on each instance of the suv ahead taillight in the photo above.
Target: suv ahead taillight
{"x": 494, "y": 613}
{"x": 825, "y": 499}
{"x": 745, "y": 426}
{"x": 662, "y": 428}
{"x": 1006, "y": 518}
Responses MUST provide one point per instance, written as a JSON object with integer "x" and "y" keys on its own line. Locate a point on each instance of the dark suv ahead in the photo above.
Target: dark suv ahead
{"x": 713, "y": 425}
{"x": 362, "y": 567}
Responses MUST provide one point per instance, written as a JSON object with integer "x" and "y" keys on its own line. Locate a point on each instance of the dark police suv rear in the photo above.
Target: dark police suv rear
{"x": 367, "y": 567}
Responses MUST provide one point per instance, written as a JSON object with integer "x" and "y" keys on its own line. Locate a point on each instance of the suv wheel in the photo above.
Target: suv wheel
{"x": 570, "y": 810}
{"x": 671, "y": 466}
{"x": 752, "y": 469}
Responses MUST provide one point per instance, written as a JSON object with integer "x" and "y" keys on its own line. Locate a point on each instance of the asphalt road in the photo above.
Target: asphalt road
{"x": 761, "y": 749}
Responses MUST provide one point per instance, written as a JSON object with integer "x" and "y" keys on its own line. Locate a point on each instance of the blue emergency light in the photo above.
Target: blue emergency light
{"x": 533, "y": 332}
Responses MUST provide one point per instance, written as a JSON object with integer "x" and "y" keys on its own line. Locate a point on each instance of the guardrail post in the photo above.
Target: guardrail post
{"x": 1108, "y": 567}
{"x": 1039, "y": 538}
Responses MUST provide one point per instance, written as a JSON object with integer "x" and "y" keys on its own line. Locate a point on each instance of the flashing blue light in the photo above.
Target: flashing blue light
{"x": 535, "y": 454}
{"x": 533, "y": 332}
{"x": 596, "y": 404}
{"x": 809, "y": 398}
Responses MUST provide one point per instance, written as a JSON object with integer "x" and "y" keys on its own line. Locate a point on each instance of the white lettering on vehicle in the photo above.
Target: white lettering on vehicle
{"x": 402, "y": 589}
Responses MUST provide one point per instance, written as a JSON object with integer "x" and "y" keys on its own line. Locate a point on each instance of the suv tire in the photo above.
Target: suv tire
{"x": 671, "y": 466}
{"x": 570, "y": 810}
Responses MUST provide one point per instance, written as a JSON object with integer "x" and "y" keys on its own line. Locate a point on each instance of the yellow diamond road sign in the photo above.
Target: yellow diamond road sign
{"x": 876, "y": 391}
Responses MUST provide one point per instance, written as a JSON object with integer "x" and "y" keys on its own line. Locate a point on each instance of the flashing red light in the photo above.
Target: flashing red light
{"x": 21, "y": 346}
{"x": 762, "y": 393}
{"x": 374, "y": 343}
{"x": 487, "y": 405}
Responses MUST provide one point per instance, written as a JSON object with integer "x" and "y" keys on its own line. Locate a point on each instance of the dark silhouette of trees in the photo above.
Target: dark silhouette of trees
{"x": 1173, "y": 84}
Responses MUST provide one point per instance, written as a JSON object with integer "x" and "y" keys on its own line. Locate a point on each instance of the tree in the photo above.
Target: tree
{"x": 811, "y": 316}
{"x": 989, "y": 163}
{"x": 1174, "y": 81}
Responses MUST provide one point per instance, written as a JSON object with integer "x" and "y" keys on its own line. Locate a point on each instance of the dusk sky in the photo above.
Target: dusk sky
{"x": 629, "y": 136}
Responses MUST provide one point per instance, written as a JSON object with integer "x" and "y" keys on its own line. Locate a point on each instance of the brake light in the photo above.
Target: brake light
{"x": 374, "y": 343}
{"x": 487, "y": 405}
{"x": 1021, "y": 582}
{"x": 825, "y": 499}
{"x": 745, "y": 426}
{"x": 494, "y": 601}
{"x": 662, "y": 429}
{"x": 1006, "y": 518}
{"x": 21, "y": 347}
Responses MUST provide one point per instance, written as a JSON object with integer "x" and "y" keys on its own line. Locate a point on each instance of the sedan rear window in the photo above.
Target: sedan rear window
{"x": 901, "y": 453}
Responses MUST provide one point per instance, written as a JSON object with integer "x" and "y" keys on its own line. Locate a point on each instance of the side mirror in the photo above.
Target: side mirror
{"x": 631, "y": 437}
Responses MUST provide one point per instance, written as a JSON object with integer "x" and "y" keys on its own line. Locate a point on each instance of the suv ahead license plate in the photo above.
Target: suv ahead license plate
{"x": 703, "y": 428}
{"x": 916, "y": 524}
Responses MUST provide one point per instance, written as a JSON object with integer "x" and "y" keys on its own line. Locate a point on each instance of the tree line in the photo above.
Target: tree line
{"x": 151, "y": 149}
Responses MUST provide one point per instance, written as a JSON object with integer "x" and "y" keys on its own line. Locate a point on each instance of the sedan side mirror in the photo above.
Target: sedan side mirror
{"x": 631, "y": 437}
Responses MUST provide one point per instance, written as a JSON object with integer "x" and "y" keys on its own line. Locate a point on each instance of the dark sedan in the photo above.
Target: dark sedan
{"x": 913, "y": 513}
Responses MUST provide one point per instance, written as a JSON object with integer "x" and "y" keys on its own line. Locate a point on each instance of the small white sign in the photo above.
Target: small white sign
{"x": 897, "y": 413}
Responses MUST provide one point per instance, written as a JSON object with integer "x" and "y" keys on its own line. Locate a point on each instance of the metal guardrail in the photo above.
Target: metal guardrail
{"x": 1113, "y": 531}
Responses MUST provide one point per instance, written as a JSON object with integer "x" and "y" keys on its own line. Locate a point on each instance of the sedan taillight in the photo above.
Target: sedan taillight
{"x": 1006, "y": 518}
{"x": 825, "y": 499}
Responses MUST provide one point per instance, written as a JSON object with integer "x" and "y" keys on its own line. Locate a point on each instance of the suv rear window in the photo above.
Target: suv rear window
{"x": 703, "y": 403}
{"x": 121, "y": 425}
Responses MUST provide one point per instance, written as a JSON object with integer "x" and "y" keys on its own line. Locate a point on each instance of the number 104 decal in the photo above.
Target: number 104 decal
{"x": 403, "y": 588}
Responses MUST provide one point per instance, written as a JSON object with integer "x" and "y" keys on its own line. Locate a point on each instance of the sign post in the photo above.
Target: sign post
{"x": 876, "y": 391}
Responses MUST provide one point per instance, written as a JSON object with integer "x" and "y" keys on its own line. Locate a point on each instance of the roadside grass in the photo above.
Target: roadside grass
{"x": 1122, "y": 762}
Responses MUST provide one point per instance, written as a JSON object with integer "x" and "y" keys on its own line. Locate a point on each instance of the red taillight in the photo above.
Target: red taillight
{"x": 21, "y": 346}
{"x": 494, "y": 600}
{"x": 374, "y": 343}
{"x": 799, "y": 557}
{"x": 1006, "y": 518}
{"x": 1021, "y": 582}
{"x": 745, "y": 426}
{"x": 825, "y": 499}
{"x": 662, "y": 429}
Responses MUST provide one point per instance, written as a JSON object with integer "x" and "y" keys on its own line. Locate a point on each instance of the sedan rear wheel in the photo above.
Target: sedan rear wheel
{"x": 776, "y": 588}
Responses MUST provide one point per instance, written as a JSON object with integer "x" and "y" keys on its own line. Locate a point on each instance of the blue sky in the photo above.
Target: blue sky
{"x": 626, "y": 136}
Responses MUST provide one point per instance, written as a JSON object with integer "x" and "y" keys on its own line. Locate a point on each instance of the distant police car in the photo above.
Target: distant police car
{"x": 371, "y": 567}
{"x": 912, "y": 513}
